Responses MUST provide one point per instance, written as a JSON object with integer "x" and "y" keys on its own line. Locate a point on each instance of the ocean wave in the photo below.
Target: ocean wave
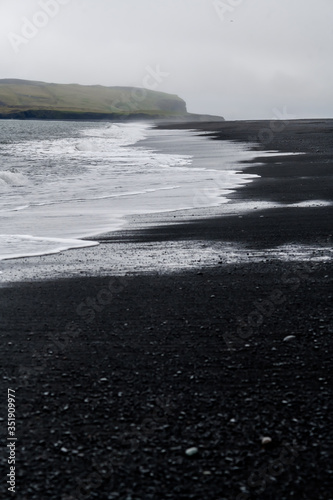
{"x": 122, "y": 135}
{"x": 89, "y": 181}
{"x": 12, "y": 178}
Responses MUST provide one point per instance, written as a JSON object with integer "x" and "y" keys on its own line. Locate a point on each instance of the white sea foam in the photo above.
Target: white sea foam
{"x": 30, "y": 246}
{"x": 61, "y": 182}
{"x": 11, "y": 178}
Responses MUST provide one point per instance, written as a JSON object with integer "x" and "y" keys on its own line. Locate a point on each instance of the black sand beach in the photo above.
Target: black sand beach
{"x": 117, "y": 377}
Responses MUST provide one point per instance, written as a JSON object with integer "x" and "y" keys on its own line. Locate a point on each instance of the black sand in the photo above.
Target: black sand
{"x": 117, "y": 377}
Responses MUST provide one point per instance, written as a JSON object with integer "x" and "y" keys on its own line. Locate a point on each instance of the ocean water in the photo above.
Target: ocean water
{"x": 64, "y": 181}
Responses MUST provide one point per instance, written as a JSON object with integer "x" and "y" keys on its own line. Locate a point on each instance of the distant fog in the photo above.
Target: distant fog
{"x": 237, "y": 58}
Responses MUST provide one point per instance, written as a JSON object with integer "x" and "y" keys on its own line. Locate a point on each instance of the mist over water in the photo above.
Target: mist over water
{"x": 62, "y": 181}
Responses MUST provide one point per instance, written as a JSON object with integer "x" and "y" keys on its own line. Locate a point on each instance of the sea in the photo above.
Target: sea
{"x": 63, "y": 182}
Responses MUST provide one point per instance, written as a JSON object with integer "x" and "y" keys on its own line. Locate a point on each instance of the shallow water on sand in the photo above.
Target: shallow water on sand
{"x": 63, "y": 181}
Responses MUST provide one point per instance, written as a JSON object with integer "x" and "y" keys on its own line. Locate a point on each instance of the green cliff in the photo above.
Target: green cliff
{"x": 28, "y": 99}
{"x": 22, "y": 99}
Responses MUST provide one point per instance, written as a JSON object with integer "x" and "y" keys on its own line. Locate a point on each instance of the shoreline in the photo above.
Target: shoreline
{"x": 232, "y": 203}
{"x": 188, "y": 194}
{"x": 118, "y": 376}
{"x": 222, "y": 164}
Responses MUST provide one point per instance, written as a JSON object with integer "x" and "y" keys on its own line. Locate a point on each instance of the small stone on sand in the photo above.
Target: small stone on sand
{"x": 266, "y": 440}
{"x": 288, "y": 338}
{"x": 191, "y": 451}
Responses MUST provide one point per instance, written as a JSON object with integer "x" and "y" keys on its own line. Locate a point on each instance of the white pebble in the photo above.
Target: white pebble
{"x": 191, "y": 451}
{"x": 266, "y": 440}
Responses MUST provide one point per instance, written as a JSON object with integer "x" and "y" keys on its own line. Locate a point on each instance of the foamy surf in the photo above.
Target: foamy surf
{"x": 15, "y": 246}
{"x": 64, "y": 181}
{"x": 10, "y": 178}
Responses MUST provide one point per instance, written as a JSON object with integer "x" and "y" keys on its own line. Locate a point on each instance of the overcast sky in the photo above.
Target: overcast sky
{"x": 241, "y": 59}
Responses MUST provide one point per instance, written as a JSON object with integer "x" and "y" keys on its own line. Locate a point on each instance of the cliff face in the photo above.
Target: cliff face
{"x": 28, "y": 99}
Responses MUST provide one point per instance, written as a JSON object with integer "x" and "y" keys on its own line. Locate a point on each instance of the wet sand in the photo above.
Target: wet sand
{"x": 118, "y": 375}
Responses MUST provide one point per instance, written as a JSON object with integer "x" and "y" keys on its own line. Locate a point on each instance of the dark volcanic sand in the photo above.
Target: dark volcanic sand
{"x": 110, "y": 395}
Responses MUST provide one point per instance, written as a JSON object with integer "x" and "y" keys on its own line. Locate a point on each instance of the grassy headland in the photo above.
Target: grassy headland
{"x": 22, "y": 99}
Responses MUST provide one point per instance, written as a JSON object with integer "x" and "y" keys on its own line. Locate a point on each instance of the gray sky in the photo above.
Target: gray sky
{"x": 241, "y": 59}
